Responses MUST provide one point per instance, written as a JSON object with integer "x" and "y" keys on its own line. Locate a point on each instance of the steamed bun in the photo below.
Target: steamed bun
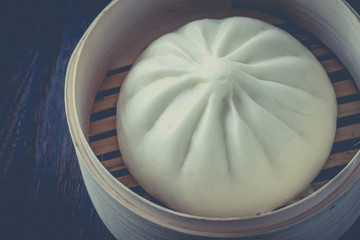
{"x": 226, "y": 118}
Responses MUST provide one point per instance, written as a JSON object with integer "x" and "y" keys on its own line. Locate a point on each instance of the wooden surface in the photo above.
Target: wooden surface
{"x": 42, "y": 194}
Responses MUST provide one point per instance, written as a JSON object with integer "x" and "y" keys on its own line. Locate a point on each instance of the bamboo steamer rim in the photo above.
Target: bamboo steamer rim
{"x": 172, "y": 219}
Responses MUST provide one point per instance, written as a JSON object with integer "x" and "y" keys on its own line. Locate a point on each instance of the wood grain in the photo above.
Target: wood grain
{"x": 42, "y": 194}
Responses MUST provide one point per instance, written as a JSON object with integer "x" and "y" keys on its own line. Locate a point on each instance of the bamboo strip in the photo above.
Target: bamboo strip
{"x": 319, "y": 51}
{"x": 316, "y": 186}
{"x": 105, "y": 103}
{"x": 104, "y": 145}
{"x": 113, "y": 81}
{"x": 344, "y": 88}
{"x": 128, "y": 181}
{"x": 348, "y": 109}
{"x": 339, "y": 159}
{"x": 114, "y": 164}
{"x": 332, "y": 65}
{"x": 347, "y": 132}
{"x": 102, "y": 125}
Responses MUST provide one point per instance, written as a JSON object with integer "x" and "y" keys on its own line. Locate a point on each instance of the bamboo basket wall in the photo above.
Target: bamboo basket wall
{"x": 105, "y": 54}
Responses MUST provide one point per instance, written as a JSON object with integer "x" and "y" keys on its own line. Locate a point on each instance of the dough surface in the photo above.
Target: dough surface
{"x": 226, "y": 118}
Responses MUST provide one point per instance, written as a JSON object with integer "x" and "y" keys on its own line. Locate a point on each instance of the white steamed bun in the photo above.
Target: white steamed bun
{"x": 226, "y": 118}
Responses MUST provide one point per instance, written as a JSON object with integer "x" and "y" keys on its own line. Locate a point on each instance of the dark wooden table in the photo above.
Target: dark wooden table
{"x": 42, "y": 194}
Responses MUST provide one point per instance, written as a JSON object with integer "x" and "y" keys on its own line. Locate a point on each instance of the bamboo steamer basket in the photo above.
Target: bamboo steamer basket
{"x": 105, "y": 54}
